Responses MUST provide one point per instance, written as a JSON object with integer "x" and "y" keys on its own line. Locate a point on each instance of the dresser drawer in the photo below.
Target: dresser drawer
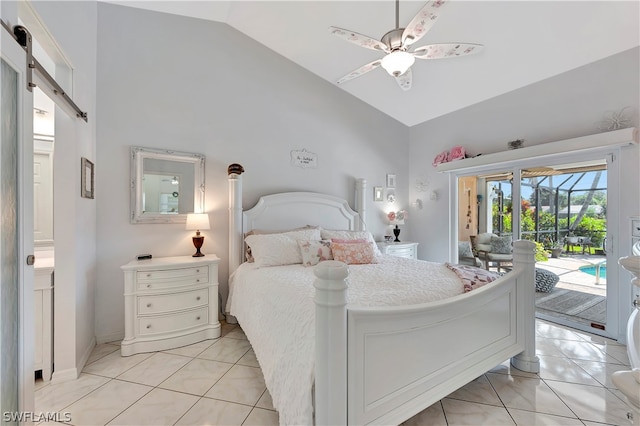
{"x": 173, "y": 282}
{"x": 172, "y": 302}
{"x": 401, "y": 251}
{"x": 173, "y": 322}
{"x": 171, "y": 274}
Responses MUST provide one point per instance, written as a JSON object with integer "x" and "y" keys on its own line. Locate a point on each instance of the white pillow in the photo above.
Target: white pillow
{"x": 350, "y": 235}
{"x": 247, "y": 252}
{"x": 279, "y": 249}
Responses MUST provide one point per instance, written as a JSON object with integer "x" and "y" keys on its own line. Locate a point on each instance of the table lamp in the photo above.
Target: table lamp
{"x": 197, "y": 221}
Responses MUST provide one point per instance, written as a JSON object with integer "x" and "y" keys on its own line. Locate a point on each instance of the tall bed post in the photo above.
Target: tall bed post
{"x": 361, "y": 205}
{"x": 331, "y": 343}
{"x": 235, "y": 216}
{"x": 524, "y": 263}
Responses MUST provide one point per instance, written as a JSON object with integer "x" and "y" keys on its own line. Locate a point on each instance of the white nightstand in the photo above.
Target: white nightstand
{"x": 169, "y": 302}
{"x": 406, "y": 249}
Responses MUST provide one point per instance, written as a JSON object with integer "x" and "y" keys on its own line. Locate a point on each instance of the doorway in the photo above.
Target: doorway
{"x": 564, "y": 208}
{"x": 43, "y": 237}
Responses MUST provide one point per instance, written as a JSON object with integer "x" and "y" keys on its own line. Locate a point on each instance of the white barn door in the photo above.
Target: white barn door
{"x": 16, "y": 235}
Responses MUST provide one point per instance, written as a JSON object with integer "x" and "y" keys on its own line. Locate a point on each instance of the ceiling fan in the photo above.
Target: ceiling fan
{"x": 396, "y": 44}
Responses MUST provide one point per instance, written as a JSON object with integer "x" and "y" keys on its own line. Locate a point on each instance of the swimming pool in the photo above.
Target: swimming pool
{"x": 591, "y": 270}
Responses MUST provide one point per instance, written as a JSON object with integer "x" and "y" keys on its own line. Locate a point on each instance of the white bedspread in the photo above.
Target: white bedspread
{"x": 275, "y": 308}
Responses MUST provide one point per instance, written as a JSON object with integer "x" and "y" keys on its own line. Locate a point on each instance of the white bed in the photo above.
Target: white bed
{"x": 375, "y": 362}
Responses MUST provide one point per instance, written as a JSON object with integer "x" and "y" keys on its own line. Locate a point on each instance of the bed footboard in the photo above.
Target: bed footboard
{"x": 384, "y": 365}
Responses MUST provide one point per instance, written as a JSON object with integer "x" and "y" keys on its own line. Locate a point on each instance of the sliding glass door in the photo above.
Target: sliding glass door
{"x": 564, "y": 210}
{"x": 564, "y": 205}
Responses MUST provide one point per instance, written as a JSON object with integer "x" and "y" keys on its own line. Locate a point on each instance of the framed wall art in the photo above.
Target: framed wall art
{"x": 377, "y": 193}
{"x": 391, "y": 181}
{"x": 87, "y": 179}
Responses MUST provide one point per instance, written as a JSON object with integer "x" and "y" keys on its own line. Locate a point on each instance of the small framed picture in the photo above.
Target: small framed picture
{"x": 87, "y": 179}
{"x": 377, "y": 193}
{"x": 391, "y": 196}
{"x": 391, "y": 181}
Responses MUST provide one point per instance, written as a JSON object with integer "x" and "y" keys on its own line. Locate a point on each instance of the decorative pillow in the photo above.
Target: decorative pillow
{"x": 340, "y": 240}
{"x": 247, "y": 252}
{"x": 473, "y": 277}
{"x": 464, "y": 249}
{"x": 315, "y": 251}
{"x": 350, "y": 235}
{"x": 545, "y": 280}
{"x": 354, "y": 253}
{"x": 501, "y": 245}
{"x": 279, "y": 249}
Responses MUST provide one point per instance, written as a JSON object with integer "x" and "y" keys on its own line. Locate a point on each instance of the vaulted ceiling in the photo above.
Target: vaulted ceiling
{"x": 524, "y": 42}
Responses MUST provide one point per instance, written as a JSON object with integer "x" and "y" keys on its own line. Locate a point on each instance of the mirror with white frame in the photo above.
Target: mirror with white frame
{"x": 165, "y": 185}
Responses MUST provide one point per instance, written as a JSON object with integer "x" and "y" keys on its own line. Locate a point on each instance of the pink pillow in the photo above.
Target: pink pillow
{"x": 343, "y": 241}
{"x": 353, "y": 253}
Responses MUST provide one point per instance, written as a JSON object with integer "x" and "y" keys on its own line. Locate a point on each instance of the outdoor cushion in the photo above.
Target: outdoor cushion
{"x": 545, "y": 280}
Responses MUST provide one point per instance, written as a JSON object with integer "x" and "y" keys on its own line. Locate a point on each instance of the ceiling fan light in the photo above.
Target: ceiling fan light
{"x": 397, "y": 62}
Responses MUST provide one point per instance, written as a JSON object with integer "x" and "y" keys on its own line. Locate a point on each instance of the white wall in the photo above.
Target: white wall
{"x": 191, "y": 85}
{"x": 568, "y": 105}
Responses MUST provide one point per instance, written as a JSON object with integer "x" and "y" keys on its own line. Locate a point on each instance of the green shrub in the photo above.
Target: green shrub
{"x": 541, "y": 253}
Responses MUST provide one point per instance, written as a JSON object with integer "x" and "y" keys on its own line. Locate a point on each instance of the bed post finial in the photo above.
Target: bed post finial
{"x": 361, "y": 204}
{"x": 235, "y": 216}
{"x": 331, "y": 343}
{"x": 235, "y": 168}
{"x": 524, "y": 262}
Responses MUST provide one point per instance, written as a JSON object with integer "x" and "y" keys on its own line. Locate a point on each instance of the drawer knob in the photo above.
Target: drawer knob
{"x": 198, "y": 280}
{"x": 197, "y": 270}
{"x": 198, "y": 298}
{"x": 198, "y": 318}
{"x": 148, "y": 275}
{"x": 148, "y": 325}
{"x": 148, "y": 285}
{"x": 148, "y": 305}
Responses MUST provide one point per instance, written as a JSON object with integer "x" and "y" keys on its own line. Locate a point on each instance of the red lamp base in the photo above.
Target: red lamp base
{"x": 197, "y": 243}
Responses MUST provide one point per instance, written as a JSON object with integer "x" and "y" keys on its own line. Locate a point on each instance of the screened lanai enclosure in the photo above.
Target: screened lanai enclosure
{"x": 560, "y": 208}
{"x": 563, "y": 209}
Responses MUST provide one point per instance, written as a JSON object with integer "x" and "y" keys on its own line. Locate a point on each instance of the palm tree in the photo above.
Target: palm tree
{"x": 586, "y": 203}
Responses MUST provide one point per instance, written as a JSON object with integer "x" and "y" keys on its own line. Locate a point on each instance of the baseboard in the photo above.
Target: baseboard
{"x": 64, "y": 375}
{"x": 109, "y": 338}
{"x": 86, "y": 354}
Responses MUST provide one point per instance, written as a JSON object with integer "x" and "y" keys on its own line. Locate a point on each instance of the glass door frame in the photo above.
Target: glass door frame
{"x": 616, "y": 314}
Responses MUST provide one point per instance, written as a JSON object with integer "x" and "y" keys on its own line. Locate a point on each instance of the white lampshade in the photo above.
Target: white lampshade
{"x": 197, "y": 221}
{"x": 397, "y": 62}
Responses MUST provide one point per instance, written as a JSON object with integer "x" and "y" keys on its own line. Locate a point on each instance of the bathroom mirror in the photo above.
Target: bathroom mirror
{"x": 165, "y": 185}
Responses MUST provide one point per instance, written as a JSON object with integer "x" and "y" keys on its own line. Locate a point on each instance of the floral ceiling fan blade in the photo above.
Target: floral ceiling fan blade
{"x": 362, "y": 70}
{"x": 405, "y": 80}
{"x": 446, "y": 50}
{"x": 359, "y": 39}
{"x": 422, "y": 22}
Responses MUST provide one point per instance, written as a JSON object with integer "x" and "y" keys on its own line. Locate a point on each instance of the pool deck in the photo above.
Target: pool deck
{"x": 571, "y": 278}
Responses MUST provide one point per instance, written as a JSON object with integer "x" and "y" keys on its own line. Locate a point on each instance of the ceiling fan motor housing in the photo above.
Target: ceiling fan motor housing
{"x": 393, "y": 39}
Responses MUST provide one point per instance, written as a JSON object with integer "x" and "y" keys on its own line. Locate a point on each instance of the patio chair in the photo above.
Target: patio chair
{"x": 586, "y": 244}
{"x": 583, "y": 244}
{"x": 572, "y": 242}
{"x": 466, "y": 256}
{"x": 483, "y": 249}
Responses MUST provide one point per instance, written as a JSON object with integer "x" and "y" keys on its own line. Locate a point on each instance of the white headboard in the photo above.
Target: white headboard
{"x": 288, "y": 210}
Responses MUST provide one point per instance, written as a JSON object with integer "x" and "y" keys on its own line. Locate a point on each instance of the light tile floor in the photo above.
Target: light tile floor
{"x": 219, "y": 382}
